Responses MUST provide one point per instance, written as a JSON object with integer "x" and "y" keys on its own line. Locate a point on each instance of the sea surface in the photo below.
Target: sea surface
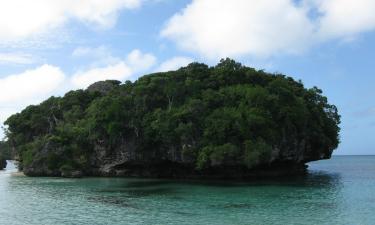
{"x": 336, "y": 191}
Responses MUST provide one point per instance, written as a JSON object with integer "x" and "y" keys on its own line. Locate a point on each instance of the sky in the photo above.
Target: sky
{"x": 48, "y": 47}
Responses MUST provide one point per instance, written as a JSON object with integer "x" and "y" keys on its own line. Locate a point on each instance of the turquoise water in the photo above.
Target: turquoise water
{"x": 336, "y": 191}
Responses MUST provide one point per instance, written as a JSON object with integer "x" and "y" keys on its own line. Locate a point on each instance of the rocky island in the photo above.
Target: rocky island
{"x": 226, "y": 121}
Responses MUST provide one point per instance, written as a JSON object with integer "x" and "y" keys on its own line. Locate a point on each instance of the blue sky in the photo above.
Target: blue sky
{"x": 50, "y": 46}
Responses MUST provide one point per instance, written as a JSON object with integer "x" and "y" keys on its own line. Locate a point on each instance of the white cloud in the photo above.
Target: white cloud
{"x": 106, "y": 66}
{"x": 16, "y": 58}
{"x": 345, "y": 18}
{"x": 29, "y": 86}
{"x": 140, "y": 61}
{"x": 22, "y": 18}
{"x": 101, "y": 55}
{"x": 221, "y": 28}
{"x": 83, "y": 79}
{"x": 174, "y": 63}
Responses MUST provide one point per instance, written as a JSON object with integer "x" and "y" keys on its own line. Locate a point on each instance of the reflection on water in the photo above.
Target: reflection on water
{"x": 329, "y": 194}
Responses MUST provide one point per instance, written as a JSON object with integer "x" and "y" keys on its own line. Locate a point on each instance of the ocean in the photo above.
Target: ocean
{"x": 337, "y": 191}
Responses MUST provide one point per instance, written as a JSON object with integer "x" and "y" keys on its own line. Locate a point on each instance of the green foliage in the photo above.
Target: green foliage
{"x": 5, "y": 150}
{"x": 224, "y": 152}
{"x": 66, "y": 168}
{"x": 256, "y": 152}
{"x": 228, "y": 114}
{"x": 27, "y": 157}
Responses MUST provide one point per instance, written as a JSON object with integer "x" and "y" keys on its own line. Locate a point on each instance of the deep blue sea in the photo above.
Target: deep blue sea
{"x": 337, "y": 191}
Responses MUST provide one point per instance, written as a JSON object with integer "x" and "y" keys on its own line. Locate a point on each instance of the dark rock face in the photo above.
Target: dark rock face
{"x": 125, "y": 161}
{"x": 3, "y": 164}
{"x": 40, "y": 170}
{"x": 38, "y": 167}
{"x": 72, "y": 174}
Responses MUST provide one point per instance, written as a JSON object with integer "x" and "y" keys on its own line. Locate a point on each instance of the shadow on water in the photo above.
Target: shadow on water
{"x": 310, "y": 179}
{"x": 124, "y": 195}
{"x": 146, "y": 183}
{"x": 139, "y": 192}
{"x": 328, "y": 183}
{"x": 139, "y": 187}
{"x": 112, "y": 200}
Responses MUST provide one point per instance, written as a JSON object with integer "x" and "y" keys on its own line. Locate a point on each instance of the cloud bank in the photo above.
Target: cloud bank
{"x": 220, "y": 28}
{"x": 30, "y": 85}
{"x": 22, "y": 19}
